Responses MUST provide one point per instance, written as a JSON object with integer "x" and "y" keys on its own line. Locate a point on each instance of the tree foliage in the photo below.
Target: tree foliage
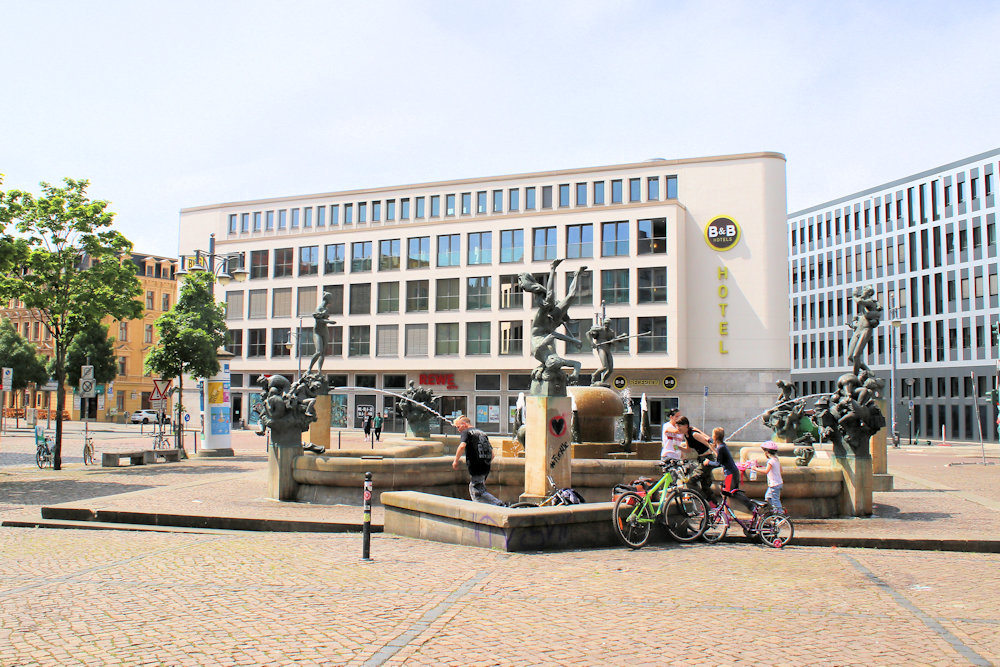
{"x": 190, "y": 333}
{"x": 92, "y": 346}
{"x": 18, "y": 353}
{"x": 69, "y": 263}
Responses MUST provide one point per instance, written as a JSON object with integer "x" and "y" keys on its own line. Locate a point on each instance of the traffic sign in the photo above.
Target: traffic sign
{"x": 8, "y": 378}
{"x": 187, "y": 418}
{"x": 86, "y": 372}
{"x": 160, "y": 389}
{"x": 158, "y": 404}
{"x": 88, "y": 388}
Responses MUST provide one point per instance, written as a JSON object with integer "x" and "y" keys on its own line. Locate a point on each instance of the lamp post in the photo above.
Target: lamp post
{"x": 894, "y": 314}
{"x": 230, "y": 265}
{"x": 297, "y": 346}
{"x": 909, "y": 383}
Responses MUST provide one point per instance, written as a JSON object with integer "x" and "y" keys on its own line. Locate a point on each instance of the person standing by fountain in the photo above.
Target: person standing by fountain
{"x": 377, "y": 426}
{"x": 671, "y": 437}
{"x": 731, "y": 477}
{"x": 478, "y": 458}
{"x": 702, "y": 445}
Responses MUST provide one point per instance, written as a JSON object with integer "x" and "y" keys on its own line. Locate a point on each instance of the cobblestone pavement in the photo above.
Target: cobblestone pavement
{"x": 82, "y": 597}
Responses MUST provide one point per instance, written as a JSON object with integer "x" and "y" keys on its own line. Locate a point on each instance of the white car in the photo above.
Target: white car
{"x": 148, "y": 417}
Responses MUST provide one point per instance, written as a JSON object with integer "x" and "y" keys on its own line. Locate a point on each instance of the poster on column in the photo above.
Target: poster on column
{"x": 220, "y": 419}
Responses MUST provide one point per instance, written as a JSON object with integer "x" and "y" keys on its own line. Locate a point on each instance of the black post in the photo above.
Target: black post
{"x": 366, "y": 529}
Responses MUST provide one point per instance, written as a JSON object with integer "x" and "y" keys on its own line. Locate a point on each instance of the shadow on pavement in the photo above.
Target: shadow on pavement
{"x": 52, "y": 492}
{"x": 155, "y": 470}
{"x": 891, "y": 512}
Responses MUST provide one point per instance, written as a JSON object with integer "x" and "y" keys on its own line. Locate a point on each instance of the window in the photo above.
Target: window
{"x": 361, "y": 299}
{"x": 578, "y": 329}
{"x": 544, "y": 246}
{"x": 619, "y": 325}
{"x": 480, "y": 248}
{"x": 305, "y": 344}
{"x": 281, "y": 302}
{"x": 634, "y": 189}
{"x": 123, "y": 364}
{"x": 307, "y": 217}
{"x": 283, "y": 259}
{"x": 361, "y": 256}
{"x": 309, "y": 260}
{"x": 563, "y": 195}
{"x": 376, "y": 212}
{"x": 466, "y": 203}
{"x": 614, "y": 237}
{"x": 511, "y": 294}
{"x": 257, "y": 342}
{"x": 258, "y": 264}
{"x": 614, "y": 286}
{"x": 478, "y": 292}
{"x": 511, "y": 246}
{"x": 416, "y": 340}
{"x": 244, "y": 222}
{"x": 147, "y": 333}
{"x": 512, "y": 338}
{"x": 652, "y": 284}
{"x": 584, "y": 288}
{"x": 282, "y": 219}
{"x": 498, "y": 201}
{"x": 388, "y": 255}
{"x": 257, "y": 222}
{"x": 449, "y": 204}
{"x": 334, "y": 215}
{"x": 581, "y": 194}
{"x": 418, "y": 252}
{"x": 348, "y": 214}
{"x": 546, "y": 196}
{"x": 656, "y": 342}
{"x": 387, "y": 340}
{"x": 269, "y": 221}
{"x": 321, "y": 216}
{"x": 362, "y": 212}
{"x": 481, "y": 202}
{"x": 234, "y": 342}
{"x": 449, "y": 250}
{"x": 671, "y": 187}
{"x": 257, "y": 307}
{"x": 616, "y": 191}
{"x": 295, "y": 218}
{"x": 417, "y": 296}
{"x": 336, "y": 301}
{"x": 652, "y": 237}
{"x": 653, "y": 188}
{"x": 123, "y": 328}
{"x": 165, "y": 301}
{"x": 513, "y": 199}
{"x": 404, "y": 208}
{"x": 477, "y": 338}
{"x": 529, "y": 199}
{"x": 232, "y": 223}
{"x": 359, "y": 344}
{"x": 446, "y": 339}
{"x": 335, "y": 345}
{"x": 234, "y": 305}
{"x": 579, "y": 241}
{"x": 421, "y": 207}
{"x": 150, "y": 298}
{"x": 599, "y": 192}
{"x": 306, "y": 301}
{"x": 280, "y": 339}
{"x": 388, "y": 297}
{"x": 334, "y": 261}
{"x": 447, "y": 297}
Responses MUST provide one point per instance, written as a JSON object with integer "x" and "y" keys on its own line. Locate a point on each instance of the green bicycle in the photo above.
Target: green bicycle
{"x": 684, "y": 511}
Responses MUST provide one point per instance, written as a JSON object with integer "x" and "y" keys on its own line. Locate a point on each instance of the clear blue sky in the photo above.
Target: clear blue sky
{"x": 165, "y": 105}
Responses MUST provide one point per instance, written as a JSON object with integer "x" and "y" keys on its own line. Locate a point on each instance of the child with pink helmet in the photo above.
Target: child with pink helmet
{"x": 773, "y": 470}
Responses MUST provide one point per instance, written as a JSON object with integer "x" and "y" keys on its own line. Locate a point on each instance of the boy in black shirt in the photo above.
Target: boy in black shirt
{"x": 478, "y": 457}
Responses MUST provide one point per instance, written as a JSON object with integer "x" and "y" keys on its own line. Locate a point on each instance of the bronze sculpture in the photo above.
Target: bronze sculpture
{"x": 867, "y": 317}
{"x": 321, "y": 333}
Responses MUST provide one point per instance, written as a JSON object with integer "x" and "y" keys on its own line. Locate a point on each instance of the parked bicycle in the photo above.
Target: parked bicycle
{"x": 684, "y": 511}
{"x": 161, "y": 441}
{"x": 43, "y": 449}
{"x": 555, "y": 498}
{"x": 769, "y": 527}
{"x": 88, "y": 451}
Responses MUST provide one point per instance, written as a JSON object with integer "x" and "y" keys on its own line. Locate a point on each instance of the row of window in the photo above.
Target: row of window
{"x": 651, "y": 239}
{"x": 480, "y": 293}
{"x": 481, "y": 202}
{"x": 919, "y": 200}
{"x": 447, "y": 342}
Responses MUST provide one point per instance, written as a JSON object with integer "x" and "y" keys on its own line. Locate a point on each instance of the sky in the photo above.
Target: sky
{"x": 168, "y": 105}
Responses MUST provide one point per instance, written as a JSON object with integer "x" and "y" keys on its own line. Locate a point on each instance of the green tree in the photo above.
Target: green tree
{"x": 190, "y": 334}
{"x": 70, "y": 264}
{"x": 18, "y": 353}
{"x": 91, "y": 347}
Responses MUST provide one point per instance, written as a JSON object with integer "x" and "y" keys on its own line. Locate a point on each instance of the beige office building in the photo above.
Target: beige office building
{"x": 688, "y": 257}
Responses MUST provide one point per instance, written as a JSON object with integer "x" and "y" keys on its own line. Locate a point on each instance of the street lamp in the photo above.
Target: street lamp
{"x": 909, "y": 383}
{"x": 230, "y": 265}
{"x": 894, "y": 314}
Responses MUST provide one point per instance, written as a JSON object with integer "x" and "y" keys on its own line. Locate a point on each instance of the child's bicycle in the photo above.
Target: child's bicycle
{"x": 771, "y": 528}
{"x": 88, "y": 451}
{"x": 684, "y": 511}
{"x": 556, "y": 497}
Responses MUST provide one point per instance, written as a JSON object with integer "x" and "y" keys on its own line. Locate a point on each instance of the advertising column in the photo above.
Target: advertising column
{"x": 217, "y": 408}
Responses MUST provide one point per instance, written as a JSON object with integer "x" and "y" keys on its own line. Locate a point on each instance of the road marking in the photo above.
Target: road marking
{"x": 931, "y": 623}
{"x": 395, "y": 645}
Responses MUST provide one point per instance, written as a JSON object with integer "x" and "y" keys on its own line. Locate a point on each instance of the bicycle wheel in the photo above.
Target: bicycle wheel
{"x": 717, "y": 527}
{"x": 633, "y": 520}
{"x": 88, "y": 454}
{"x": 686, "y": 515}
{"x": 521, "y": 505}
{"x": 40, "y": 458}
{"x": 776, "y": 530}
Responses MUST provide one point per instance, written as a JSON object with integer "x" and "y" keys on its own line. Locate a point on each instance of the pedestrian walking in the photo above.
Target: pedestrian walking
{"x": 377, "y": 427}
{"x": 367, "y": 425}
{"x": 478, "y": 458}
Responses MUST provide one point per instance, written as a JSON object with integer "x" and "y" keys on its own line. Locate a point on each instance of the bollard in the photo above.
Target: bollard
{"x": 366, "y": 528}
{"x": 338, "y": 439}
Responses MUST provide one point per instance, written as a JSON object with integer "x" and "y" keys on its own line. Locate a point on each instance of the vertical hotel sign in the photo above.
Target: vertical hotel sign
{"x": 722, "y": 233}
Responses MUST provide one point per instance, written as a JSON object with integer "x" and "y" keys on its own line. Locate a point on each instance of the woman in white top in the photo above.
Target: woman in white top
{"x": 672, "y": 438}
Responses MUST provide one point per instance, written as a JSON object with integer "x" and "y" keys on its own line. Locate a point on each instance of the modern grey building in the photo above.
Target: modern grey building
{"x": 927, "y": 244}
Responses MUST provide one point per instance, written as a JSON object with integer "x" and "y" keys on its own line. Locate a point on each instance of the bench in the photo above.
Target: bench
{"x": 168, "y": 455}
{"x": 137, "y": 458}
